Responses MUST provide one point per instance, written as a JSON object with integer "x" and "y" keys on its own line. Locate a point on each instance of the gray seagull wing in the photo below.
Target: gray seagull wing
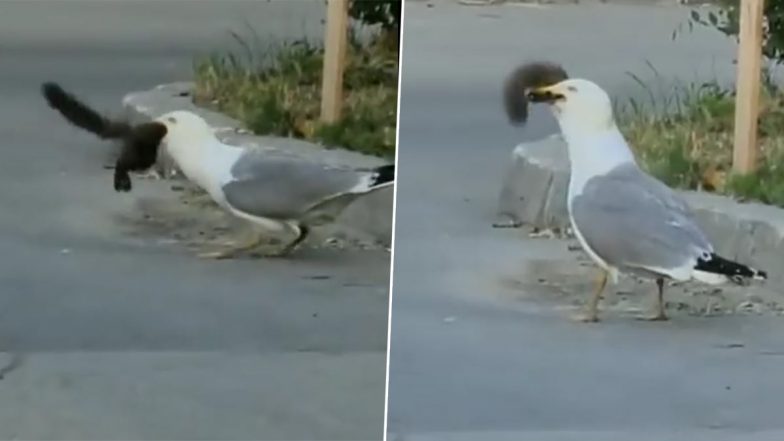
{"x": 287, "y": 188}
{"x": 631, "y": 220}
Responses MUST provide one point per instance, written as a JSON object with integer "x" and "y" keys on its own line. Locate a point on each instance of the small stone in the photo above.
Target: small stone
{"x": 748, "y": 307}
{"x": 507, "y": 223}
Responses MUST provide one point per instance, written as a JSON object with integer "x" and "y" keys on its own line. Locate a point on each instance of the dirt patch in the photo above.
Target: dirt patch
{"x": 182, "y": 214}
{"x": 567, "y": 285}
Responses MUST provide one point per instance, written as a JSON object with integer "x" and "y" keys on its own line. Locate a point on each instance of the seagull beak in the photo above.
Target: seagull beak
{"x": 547, "y": 94}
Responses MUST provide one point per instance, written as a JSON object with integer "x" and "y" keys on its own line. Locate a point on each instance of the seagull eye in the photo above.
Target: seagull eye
{"x": 571, "y": 89}
{"x": 172, "y": 120}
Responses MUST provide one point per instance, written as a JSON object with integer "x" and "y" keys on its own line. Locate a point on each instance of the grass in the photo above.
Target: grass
{"x": 277, "y": 91}
{"x": 685, "y": 138}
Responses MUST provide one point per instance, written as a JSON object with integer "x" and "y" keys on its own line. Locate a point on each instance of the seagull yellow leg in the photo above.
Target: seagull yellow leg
{"x": 302, "y": 234}
{"x": 659, "y": 315}
{"x": 591, "y": 315}
{"x": 253, "y": 241}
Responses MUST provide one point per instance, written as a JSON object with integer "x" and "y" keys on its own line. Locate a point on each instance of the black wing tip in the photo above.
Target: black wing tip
{"x": 736, "y": 272}
{"x": 523, "y": 78}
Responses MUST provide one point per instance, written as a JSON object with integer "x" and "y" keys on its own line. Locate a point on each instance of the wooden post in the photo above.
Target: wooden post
{"x": 744, "y": 157}
{"x": 335, "y": 42}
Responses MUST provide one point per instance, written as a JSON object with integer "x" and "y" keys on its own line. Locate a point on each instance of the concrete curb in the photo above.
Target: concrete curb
{"x": 368, "y": 219}
{"x": 534, "y": 193}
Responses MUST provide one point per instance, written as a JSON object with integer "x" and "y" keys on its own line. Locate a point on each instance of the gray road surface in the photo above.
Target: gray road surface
{"x": 470, "y": 363}
{"x": 125, "y": 336}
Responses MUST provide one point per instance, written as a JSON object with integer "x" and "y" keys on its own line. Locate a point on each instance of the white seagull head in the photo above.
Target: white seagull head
{"x": 183, "y": 127}
{"x": 580, "y": 106}
{"x": 188, "y": 142}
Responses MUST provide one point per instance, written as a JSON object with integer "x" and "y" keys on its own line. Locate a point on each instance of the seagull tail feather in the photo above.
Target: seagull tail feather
{"x": 734, "y": 271}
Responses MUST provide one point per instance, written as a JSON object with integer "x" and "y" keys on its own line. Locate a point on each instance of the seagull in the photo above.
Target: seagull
{"x": 275, "y": 194}
{"x": 626, "y": 220}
